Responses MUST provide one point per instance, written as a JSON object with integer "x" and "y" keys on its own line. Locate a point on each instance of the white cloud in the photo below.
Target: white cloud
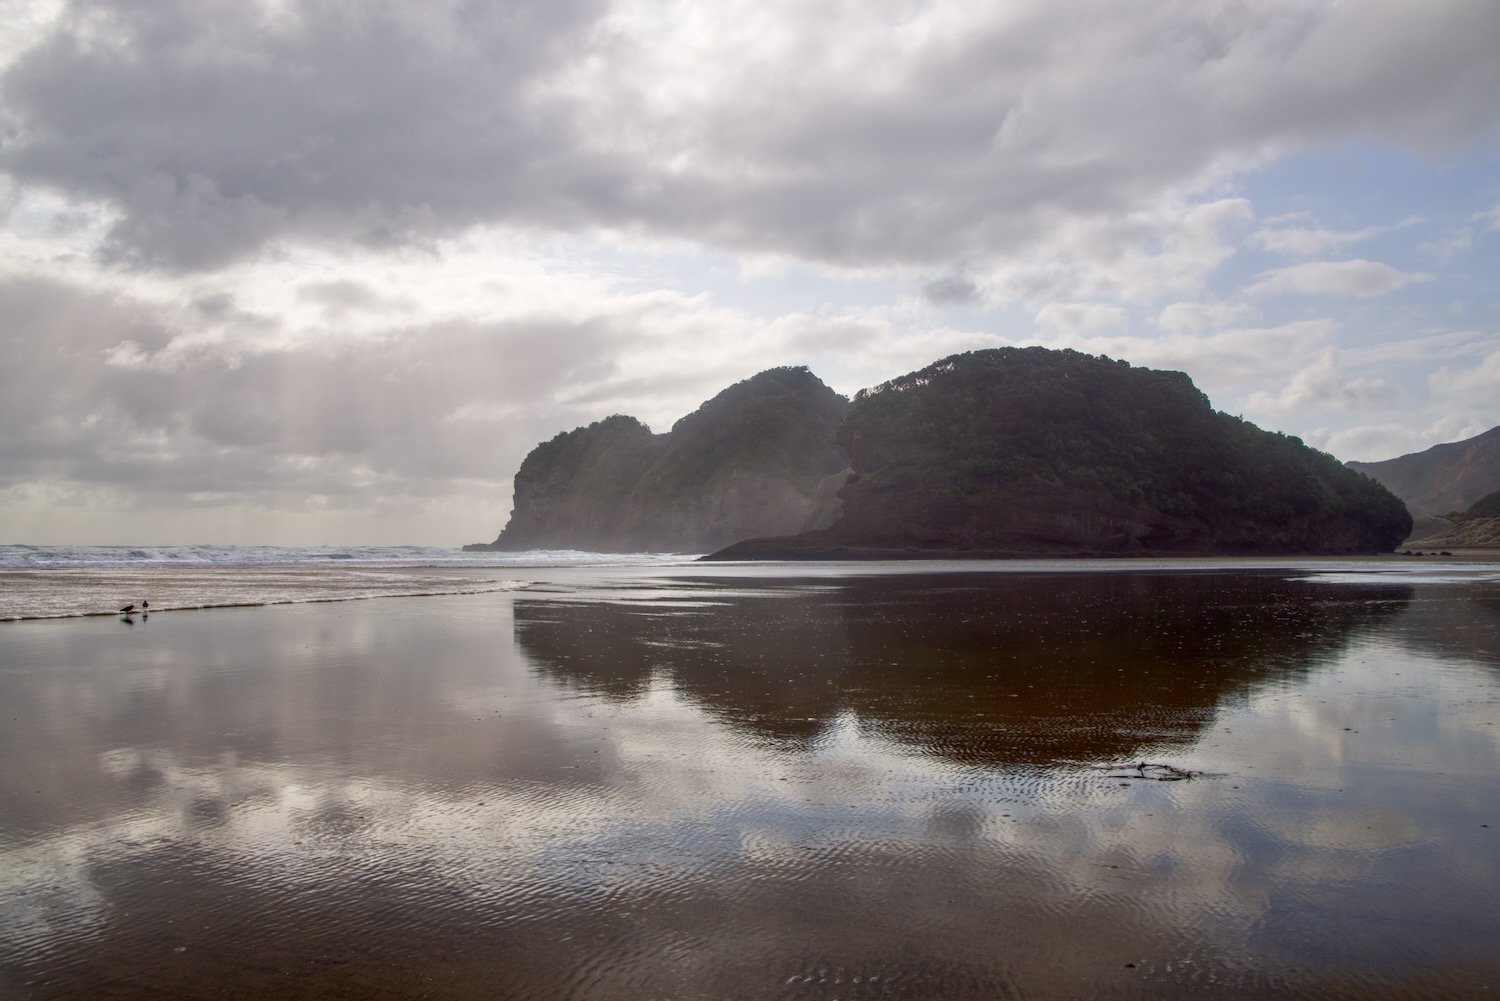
{"x": 1449, "y": 244}
{"x": 1196, "y": 317}
{"x": 1163, "y": 249}
{"x": 1359, "y": 278}
{"x": 1425, "y": 347}
{"x": 1322, "y": 385}
{"x": 1479, "y": 383}
{"x": 1080, "y": 317}
{"x": 1224, "y": 362}
{"x": 1301, "y": 241}
{"x": 1374, "y": 442}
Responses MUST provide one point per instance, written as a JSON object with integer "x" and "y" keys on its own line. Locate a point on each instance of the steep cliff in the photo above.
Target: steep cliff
{"x": 747, "y": 462}
{"x": 1027, "y": 450}
{"x": 570, "y": 490}
{"x": 1443, "y": 479}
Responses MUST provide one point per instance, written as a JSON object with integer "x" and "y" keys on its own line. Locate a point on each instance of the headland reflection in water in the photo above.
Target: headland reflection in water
{"x": 898, "y": 785}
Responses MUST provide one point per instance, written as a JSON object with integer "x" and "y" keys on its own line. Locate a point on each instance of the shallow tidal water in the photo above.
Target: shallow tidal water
{"x": 1232, "y": 781}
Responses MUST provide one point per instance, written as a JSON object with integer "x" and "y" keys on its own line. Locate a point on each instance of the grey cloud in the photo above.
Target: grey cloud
{"x": 214, "y": 305}
{"x": 214, "y": 130}
{"x": 367, "y": 420}
{"x": 341, "y": 297}
{"x": 54, "y": 381}
{"x": 951, "y": 290}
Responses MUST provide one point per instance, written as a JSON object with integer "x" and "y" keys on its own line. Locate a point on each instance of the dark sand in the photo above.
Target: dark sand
{"x": 923, "y": 785}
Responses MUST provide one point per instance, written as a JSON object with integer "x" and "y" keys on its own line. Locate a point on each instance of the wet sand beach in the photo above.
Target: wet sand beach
{"x": 1220, "y": 780}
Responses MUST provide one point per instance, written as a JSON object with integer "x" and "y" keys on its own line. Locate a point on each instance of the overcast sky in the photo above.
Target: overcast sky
{"x": 304, "y": 271}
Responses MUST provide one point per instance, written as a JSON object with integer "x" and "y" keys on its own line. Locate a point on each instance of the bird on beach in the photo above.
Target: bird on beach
{"x": 131, "y": 607}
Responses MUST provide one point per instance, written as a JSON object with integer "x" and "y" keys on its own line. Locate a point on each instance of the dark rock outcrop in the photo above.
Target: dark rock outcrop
{"x": 1020, "y": 451}
{"x": 748, "y": 462}
{"x": 1443, "y": 479}
{"x": 570, "y": 491}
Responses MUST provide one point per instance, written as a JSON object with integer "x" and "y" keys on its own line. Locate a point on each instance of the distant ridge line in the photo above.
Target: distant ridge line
{"x": 1444, "y": 479}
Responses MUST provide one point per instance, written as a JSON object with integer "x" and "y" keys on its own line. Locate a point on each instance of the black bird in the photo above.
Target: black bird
{"x": 128, "y": 609}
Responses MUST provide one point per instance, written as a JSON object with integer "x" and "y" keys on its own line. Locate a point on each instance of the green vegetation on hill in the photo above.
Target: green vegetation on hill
{"x": 1476, "y": 528}
{"x": 1487, "y": 506}
{"x": 778, "y": 424}
{"x": 1007, "y": 451}
{"x": 1034, "y": 450}
{"x": 747, "y": 462}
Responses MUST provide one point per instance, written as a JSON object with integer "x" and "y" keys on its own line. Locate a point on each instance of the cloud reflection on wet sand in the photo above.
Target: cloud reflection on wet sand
{"x": 392, "y": 798}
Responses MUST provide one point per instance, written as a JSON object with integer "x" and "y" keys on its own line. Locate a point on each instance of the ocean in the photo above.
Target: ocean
{"x": 70, "y": 581}
{"x": 40, "y": 582}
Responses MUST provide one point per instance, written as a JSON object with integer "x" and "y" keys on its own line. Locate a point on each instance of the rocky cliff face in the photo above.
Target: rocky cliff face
{"x": 1444, "y": 478}
{"x": 748, "y": 462}
{"x": 569, "y": 491}
{"x": 1037, "y": 451}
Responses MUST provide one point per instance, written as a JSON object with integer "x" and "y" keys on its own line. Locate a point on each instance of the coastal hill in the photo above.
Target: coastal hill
{"x": 1443, "y": 479}
{"x": 746, "y": 463}
{"x": 1016, "y": 451}
{"x": 1476, "y": 528}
